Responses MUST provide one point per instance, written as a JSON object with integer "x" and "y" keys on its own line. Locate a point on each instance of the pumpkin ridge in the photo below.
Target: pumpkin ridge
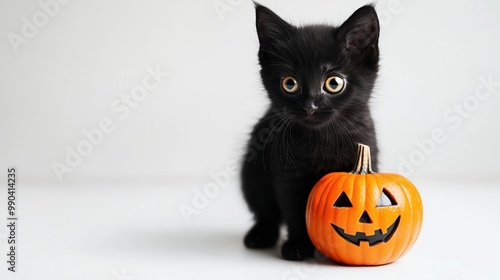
{"x": 386, "y": 232}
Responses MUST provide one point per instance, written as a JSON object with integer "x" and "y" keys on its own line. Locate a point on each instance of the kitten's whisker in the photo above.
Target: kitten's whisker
{"x": 268, "y": 136}
{"x": 278, "y": 139}
{"x": 352, "y": 125}
{"x": 340, "y": 125}
{"x": 270, "y": 117}
{"x": 290, "y": 157}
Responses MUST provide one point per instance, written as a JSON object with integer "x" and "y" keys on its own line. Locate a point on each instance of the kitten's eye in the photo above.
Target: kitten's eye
{"x": 334, "y": 84}
{"x": 289, "y": 84}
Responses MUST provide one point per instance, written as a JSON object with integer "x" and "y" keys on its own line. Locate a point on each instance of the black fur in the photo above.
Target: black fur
{"x": 291, "y": 149}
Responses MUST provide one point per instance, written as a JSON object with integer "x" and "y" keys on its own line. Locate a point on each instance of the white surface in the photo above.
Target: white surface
{"x": 91, "y": 231}
{"x": 66, "y": 78}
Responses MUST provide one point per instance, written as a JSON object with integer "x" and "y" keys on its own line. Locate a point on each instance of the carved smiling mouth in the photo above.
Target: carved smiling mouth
{"x": 377, "y": 238}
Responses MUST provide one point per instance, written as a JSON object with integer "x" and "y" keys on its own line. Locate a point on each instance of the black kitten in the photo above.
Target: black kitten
{"x": 319, "y": 80}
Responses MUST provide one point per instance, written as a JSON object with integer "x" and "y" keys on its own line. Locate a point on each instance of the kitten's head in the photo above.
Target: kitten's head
{"x": 318, "y": 74}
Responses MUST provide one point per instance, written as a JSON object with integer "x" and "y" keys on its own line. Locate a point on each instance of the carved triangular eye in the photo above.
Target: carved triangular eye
{"x": 386, "y": 199}
{"x": 343, "y": 201}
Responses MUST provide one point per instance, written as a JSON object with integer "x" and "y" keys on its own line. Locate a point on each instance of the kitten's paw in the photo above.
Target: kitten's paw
{"x": 262, "y": 236}
{"x": 293, "y": 251}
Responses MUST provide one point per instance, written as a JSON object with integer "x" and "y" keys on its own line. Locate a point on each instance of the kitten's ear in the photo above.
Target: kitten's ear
{"x": 270, "y": 27}
{"x": 360, "y": 33}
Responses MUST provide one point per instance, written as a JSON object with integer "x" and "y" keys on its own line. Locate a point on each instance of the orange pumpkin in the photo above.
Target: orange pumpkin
{"x": 362, "y": 217}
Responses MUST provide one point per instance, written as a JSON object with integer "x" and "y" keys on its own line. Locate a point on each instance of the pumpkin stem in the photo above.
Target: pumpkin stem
{"x": 363, "y": 161}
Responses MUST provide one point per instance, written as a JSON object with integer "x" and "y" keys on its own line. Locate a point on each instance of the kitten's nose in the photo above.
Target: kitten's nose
{"x": 310, "y": 109}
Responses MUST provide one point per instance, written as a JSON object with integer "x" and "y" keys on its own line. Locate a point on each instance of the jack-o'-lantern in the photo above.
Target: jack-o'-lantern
{"x": 362, "y": 217}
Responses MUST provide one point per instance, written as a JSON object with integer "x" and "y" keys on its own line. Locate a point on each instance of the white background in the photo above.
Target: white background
{"x": 65, "y": 78}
